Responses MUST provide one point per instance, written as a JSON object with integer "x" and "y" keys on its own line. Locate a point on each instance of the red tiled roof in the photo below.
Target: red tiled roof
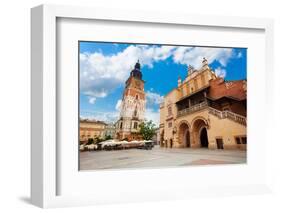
{"x": 231, "y": 89}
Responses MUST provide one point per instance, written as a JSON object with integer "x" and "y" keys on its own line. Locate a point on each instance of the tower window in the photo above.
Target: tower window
{"x": 137, "y": 97}
{"x": 169, "y": 110}
{"x": 135, "y": 125}
{"x": 170, "y": 124}
{"x": 121, "y": 125}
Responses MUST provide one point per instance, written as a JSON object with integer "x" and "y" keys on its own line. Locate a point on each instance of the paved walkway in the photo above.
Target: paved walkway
{"x": 158, "y": 157}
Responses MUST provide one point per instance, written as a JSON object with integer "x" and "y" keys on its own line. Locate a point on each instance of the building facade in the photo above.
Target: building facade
{"x": 90, "y": 129}
{"x": 156, "y": 137}
{"x": 204, "y": 111}
{"x": 132, "y": 106}
{"x": 109, "y": 131}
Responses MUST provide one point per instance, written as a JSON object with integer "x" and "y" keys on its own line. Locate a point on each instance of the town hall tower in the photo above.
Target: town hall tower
{"x": 132, "y": 106}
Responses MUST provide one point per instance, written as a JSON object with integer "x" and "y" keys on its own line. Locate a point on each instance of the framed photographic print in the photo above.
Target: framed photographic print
{"x": 172, "y": 101}
{"x": 149, "y": 106}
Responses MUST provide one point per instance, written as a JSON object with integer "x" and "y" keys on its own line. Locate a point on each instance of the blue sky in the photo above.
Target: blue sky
{"x": 104, "y": 68}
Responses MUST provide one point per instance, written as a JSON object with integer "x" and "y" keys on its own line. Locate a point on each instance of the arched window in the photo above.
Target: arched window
{"x": 137, "y": 97}
{"x": 135, "y": 112}
{"x": 192, "y": 89}
{"x": 121, "y": 125}
{"x": 170, "y": 124}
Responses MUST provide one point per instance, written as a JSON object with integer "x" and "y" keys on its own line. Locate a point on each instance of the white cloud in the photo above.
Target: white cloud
{"x": 180, "y": 54}
{"x": 193, "y": 55}
{"x": 153, "y": 98}
{"x": 220, "y": 72}
{"x": 101, "y": 74}
{"x": 92, "y": 100}
{"x": 118, "y": 105}
{"x": 239, "y": 55}
{"x": 153, "y": 115}
{"x": 108, "y": 117}
{"x": 112, "y": 116}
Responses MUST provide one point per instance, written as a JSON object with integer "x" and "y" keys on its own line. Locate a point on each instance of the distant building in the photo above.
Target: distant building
{"x": 132, "y": 107}
{"x": 109, "y": 130}
{"x": 205, "y": 111}
{"x": 156, "y": 136}
{"x": 91, "y": 129}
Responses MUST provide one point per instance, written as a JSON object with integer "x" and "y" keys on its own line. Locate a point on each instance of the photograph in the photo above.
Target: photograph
{"x": 161, "y": 105}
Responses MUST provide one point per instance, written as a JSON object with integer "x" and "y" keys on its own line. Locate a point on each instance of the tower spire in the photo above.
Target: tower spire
{"x": 137, "y": 65}
{"x": 136, "y": 72}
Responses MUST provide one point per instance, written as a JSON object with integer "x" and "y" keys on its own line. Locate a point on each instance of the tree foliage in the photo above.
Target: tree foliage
{"x": 90, "y": 141}
{"x": 108, "y": 137}
{"x": 147, "y": 130}
{"x": 98, "y": 140}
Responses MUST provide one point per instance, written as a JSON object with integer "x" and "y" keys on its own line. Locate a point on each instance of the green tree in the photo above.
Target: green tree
{"x": 147, "y": 129}
{"x": 98, "y": 140}
{"x": 108, "y": 137}
{"x": 90, "y": 141}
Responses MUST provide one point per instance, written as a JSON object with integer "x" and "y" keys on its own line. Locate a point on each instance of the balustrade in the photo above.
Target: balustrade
{"x": 220, "y": 114}
{"x": 193, "y": 108}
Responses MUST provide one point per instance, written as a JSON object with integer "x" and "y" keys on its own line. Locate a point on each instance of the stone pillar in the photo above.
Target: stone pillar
{"x": 193, "y": 140}
{"x": 211, "y": 139}
{"x": 176, "y": 140}
{"x": 212, "y": 144}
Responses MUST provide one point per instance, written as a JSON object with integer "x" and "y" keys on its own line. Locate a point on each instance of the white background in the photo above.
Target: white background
{"x": 15, "y": 89}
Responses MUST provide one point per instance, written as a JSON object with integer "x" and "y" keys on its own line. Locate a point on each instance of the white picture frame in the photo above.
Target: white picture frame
{"x": 44, "y": 153}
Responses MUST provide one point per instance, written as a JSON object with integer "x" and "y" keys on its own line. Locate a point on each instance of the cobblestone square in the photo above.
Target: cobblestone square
{"x": 158, "y": 158}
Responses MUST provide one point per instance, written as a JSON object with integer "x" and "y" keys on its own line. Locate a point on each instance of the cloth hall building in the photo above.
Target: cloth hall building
{"x": 204, "y": 111}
